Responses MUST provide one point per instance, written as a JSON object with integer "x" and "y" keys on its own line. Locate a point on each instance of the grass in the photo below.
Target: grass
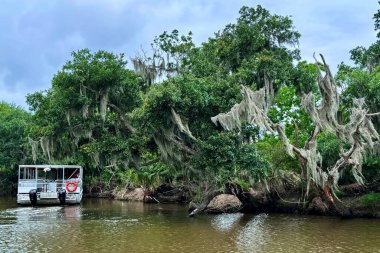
{"x": 371, "y": 199}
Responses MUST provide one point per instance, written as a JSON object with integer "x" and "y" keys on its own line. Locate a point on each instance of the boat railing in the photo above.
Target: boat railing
{"x": 45, "y": 185}
{"x": 50, "y": 185}
{"x": 27, "y": 183}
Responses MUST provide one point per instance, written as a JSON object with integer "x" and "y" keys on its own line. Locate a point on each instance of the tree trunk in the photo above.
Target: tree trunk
{"x": 206, "y": 199}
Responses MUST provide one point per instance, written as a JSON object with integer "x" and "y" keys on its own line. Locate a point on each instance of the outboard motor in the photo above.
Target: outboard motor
{"x": 33, "y": 197}
{"x": 62, "y": 196}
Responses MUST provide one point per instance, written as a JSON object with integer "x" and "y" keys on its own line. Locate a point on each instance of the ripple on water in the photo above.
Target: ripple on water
{"x": 253, "y": 236}
{"x": 226, "y": 221}
{"x": 124, "y": 228}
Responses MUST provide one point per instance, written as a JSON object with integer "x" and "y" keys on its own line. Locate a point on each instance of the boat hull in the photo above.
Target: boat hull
{"x": 71, "y": 198}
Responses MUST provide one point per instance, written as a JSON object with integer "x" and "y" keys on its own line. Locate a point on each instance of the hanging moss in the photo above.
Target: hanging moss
{"x": 103, "y": 103}
{"x": 359, "y": 132}
{"x": 183, "y": 127}
{"x": 169, "y": 151}
{"x": 34, "y": 145}
{"x": 47, "y": 147}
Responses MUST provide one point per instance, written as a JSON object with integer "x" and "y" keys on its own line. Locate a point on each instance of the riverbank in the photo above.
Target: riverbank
{"x": 354, "y": 200}
{"x": 282, "y": 195}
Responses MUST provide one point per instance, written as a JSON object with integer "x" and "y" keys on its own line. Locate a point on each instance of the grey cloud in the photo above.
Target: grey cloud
{"x": 37, "y": 36}
{"x": 37, "y": 39}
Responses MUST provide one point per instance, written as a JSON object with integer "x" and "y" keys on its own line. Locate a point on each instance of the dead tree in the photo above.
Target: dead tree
{"x": 359, "y": 132}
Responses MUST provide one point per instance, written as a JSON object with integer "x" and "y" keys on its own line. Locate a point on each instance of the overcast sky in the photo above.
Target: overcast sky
{"x": 37, "y": 36}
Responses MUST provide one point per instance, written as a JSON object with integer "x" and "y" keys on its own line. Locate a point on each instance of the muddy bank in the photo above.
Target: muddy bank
{"x": 163, "y": 194}
{"x": 282, "y": 195}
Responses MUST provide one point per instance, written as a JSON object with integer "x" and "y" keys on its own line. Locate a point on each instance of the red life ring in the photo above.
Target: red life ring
{"x": 71, "y": 186}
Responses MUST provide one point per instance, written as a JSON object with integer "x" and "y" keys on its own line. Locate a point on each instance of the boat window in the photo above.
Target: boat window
{"x": 27, "y": 173}
{"x": 59, "y": 174}
{"x": 51, "y": 175}
{"x": 71, "y": 173}
{"x": 40, "y": 173}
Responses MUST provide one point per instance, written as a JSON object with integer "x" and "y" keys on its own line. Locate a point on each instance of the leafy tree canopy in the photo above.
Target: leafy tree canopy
{"x": 14, "y": 123}
{"x": 85, "y": 109}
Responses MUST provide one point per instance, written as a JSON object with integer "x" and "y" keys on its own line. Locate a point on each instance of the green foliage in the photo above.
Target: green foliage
{"x": 370, "y": 170}
{"x": 339, "y": 194}
{"x": 104, "y": 116}
{"x": 84, "y": 111}
{"x": 209, "y": 83}
{"x": 175, "y": 47}
{"x": 376, "y": 17}
{"x": 13, "y": 125}
{"x": 304, "y": 78}
{"x": 258, "y": 43}
{"x": 148, "y": 177}
{"x": 98, "y": 113}
{"x": 196, "y": 100}
{"x": 271, "y": 149}
{"x": 366, "y": 58}
{"x": 371, "y": 199}
{"x": 223, "y": 159}
{"x": 329, "y": 147}
{"x": 363, "y": 81}
{"x": 288, "y": 110}
{"x": 13, "y": 151}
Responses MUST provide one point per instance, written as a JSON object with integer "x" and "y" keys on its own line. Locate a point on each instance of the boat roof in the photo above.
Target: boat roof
{"x": 51, "y": 166}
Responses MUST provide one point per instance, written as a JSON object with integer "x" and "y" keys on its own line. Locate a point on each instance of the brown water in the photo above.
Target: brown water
{"x": 115, "y": 226}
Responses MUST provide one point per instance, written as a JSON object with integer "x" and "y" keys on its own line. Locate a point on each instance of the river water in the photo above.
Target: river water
{"x": 101, "y": 225}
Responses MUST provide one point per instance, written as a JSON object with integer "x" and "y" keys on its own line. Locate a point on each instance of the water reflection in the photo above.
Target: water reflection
{"x": 105, "y": 225}
{"x": 253, "y": 235}
{"x": 31, "y": 226}
{"x": 72, "y": 213}
{"x": 226, "y": 221}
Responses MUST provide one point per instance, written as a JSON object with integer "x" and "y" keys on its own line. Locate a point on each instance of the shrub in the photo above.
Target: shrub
{"x": 371, "y": 199}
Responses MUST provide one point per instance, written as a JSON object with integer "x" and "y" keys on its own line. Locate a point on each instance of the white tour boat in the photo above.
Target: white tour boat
{"x": 49, "y": 184}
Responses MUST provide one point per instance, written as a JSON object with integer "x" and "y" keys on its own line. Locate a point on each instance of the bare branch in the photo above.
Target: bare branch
{"x": 373, "y": 114}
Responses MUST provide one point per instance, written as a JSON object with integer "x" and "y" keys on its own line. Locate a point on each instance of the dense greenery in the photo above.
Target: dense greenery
{"x": 152, "y": 125}
{"x": 14, "y": 123}
{"x": 371, "y": 199}
{"x": 363, "y": 80}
